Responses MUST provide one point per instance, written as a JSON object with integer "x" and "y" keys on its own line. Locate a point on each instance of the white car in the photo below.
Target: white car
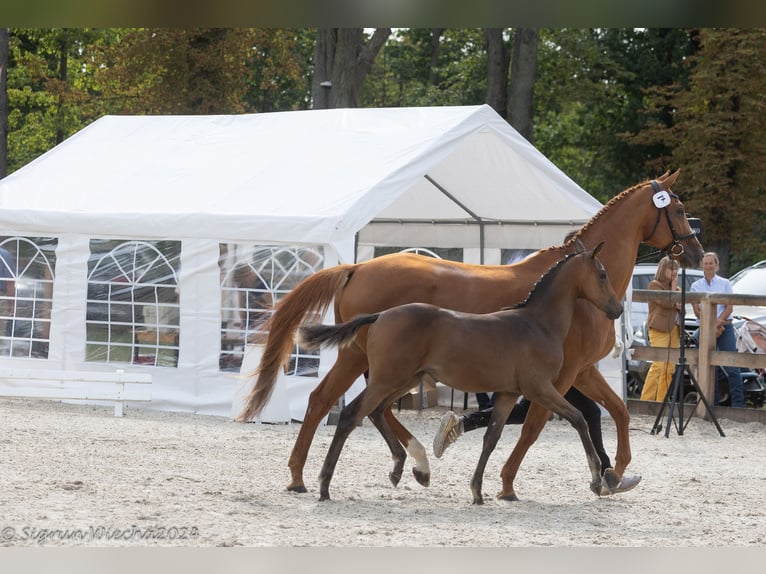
{"x": 750, "y": 281}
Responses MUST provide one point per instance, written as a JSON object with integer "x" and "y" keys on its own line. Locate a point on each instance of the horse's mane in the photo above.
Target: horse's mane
{"x": 619, "y": 197}
{"x": 545, "y": 279}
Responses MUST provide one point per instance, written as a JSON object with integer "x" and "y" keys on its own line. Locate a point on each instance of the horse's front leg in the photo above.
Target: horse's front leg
{"x": 534, "y": 422}
{"x": 592, "y": 384}
{"x": 503, "y": 405}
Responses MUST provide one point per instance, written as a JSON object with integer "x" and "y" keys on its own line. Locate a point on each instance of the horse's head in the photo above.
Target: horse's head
{"x": 594, "y": 282}
{"x": 667, "y": 227}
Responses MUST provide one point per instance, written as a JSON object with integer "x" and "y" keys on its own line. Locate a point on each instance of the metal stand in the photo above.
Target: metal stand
{"x": 675, "y": 393}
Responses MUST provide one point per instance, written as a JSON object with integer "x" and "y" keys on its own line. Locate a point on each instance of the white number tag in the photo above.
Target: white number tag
{"x": 661, "y": 199}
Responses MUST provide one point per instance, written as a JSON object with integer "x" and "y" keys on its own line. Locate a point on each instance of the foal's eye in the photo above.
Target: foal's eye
{"x": 602, "y": 275}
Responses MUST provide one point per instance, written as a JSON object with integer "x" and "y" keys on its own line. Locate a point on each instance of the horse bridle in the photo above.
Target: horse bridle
{"x": 674, "y": 248}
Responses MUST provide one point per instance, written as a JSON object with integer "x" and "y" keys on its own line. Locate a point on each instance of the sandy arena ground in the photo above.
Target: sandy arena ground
{"x": 75, "y": 475}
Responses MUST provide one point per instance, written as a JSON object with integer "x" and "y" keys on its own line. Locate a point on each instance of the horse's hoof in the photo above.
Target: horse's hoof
{"x": 323, "y": 497}
{"x": 423, "y": 478}
{"x": 609, "y": 483}
{"x": 297, "y": 488}
{"x": 628, "y": 482}
{"x": 478, "y": 501}
{"x": 395, "y": 477}
{"x": 509, "y": 497}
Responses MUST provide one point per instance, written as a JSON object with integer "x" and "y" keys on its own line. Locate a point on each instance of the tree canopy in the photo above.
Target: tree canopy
{"x": 610, "y": 107}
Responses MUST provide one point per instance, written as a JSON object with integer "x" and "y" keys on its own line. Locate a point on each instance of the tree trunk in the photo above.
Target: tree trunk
{"x": 522, "y": 87}
{"x": 3, "y": 102}
{"x": 436, "y": 34}
{"x": 497, "y": 70}
{"x": 343, "y": 59}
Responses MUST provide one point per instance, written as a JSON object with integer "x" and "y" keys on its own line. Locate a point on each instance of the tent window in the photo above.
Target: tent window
{"x": 27, "y": 268}
{"x": 253, "y": 279}
{"x": 132, "y": 307}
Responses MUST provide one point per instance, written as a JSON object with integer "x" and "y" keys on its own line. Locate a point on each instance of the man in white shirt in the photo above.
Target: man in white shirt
{"x": 726, "y": 341}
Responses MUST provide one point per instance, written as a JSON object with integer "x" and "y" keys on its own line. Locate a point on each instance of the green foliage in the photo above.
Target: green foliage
{"x": 713, "y": 128}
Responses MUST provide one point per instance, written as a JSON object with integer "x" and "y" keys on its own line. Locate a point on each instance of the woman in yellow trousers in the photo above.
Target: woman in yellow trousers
{"x": 664, "y": 330}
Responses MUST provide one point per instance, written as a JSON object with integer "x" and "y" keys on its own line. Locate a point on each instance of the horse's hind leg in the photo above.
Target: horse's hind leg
{"x": 422, "y": 469}
{"x": 349, "y": 419}
{"x": 350, "y": 364}
{"x": 503, "y": 405}
{"x": 381, "y": 422}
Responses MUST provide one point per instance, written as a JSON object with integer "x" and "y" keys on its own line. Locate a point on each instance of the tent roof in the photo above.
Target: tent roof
{"x": 303, "y": 177}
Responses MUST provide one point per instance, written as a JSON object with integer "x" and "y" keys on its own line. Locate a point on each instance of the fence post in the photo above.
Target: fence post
{"x": 707, "y": 341}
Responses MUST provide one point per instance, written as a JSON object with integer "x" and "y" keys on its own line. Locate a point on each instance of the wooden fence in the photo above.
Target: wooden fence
{"x": 705, "y": 358}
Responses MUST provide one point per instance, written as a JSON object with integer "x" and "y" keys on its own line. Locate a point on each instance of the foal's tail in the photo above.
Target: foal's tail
{"x": 316, "y": 335}
{"x": 312, "y": 296}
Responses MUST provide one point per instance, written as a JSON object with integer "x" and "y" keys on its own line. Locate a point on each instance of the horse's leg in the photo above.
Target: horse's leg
{"x": 371, "y": 401}
{"x": 592, "y": 384}
{"x": 534, "y": 422}
{"x": 349, "y": 419}
{"x": 422, "y": 469}
{"x": 379, "y": 419}
{"x": 350, "y": 364}
{"x": 503, "y": 405}
{"x": 549, "y": 397}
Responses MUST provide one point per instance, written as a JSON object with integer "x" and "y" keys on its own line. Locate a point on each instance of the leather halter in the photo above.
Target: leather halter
{"x": 674, "y": 248}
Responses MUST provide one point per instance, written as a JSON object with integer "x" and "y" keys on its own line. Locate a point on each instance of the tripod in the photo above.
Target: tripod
{"x": 675, "y": 394}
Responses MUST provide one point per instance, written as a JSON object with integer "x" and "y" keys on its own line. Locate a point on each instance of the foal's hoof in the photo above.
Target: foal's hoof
{"x": 395, "y": 477}
{"x": 609, "y": 483}
{"x": 297, "y": 488}
{"x": 423, "y": 478}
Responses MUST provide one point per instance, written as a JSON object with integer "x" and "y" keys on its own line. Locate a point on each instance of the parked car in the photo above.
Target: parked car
{"x": 750, "y": 281}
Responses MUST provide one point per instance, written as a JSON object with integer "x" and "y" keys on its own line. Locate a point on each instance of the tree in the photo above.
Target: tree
{"x": 3, "y": 102}
{"x": 522, "y": 86}
{"x": 498, "y": 61}
{"x": 715, "y": 134}
{"x": 342, "y": 60}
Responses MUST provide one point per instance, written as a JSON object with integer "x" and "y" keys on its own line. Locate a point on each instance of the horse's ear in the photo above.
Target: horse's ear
{"x": 596, "y": 249}
{"x": 671, "y": 179}
{"x": 579, "y": 247}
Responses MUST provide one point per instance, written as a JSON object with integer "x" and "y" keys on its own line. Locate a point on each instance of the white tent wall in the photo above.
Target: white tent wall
{"x": 345, "y": 180}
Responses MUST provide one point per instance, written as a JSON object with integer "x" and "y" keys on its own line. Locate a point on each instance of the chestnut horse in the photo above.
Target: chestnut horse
{"x": 625, "y": 221}
{"x": 511, "y": 352}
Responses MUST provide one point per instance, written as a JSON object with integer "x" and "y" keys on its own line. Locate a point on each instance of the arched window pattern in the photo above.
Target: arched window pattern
{"x": 449, "y": 253}
{"x": 27, "y": 269}
{"x": 253, "y": 279}
{"x": 132, "y": 306}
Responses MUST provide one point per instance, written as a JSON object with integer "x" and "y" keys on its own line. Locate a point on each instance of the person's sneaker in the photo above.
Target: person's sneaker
{"x": 450, "y": 429}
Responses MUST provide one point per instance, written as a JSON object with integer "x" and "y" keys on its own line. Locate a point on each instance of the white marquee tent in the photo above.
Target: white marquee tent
{"x": 345, "y": 179}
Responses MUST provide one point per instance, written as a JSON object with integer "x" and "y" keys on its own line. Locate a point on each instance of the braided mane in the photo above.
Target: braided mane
{"x": 619, "y": 197}
{"x": 544, "y": 280}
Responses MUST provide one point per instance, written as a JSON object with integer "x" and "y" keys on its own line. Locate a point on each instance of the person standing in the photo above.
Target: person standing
{"x": 726, "y": 340}
{"x": 664, "y": 331}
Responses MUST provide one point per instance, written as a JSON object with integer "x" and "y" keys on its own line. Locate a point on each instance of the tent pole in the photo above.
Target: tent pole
{"x": 466, "y": 209}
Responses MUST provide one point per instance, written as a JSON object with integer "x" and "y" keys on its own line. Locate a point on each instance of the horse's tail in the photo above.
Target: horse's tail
{"x": 312, "y": 296}
{"x": 316, "y": 335}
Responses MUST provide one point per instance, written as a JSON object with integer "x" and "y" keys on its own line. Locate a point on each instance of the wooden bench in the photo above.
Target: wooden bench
{"x": 117, "y": 387}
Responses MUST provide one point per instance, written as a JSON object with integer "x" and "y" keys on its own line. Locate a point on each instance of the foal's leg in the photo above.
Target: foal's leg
{"x": 550, "y": 398}
{"x": 350, "y": 364}
{"x": 537, "y": 417}
{"x": 378, "y": 418}
{"x": 503, "y": 405}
